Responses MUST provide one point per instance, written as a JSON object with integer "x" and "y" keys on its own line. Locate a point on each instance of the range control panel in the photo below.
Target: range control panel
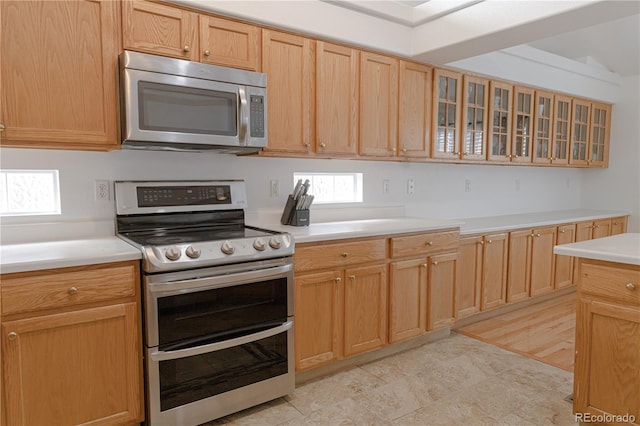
{"x": 163, "y": 196}
{"x": 256, "y": 113}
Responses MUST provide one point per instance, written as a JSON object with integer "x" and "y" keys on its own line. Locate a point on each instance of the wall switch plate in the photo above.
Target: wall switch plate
{"x": 274, "y": 190}
{"x": 102, "y": 190}
{"x": 467, "y": 185}
{"x": 385, "y": 186}
{"x": 411, "y": 187}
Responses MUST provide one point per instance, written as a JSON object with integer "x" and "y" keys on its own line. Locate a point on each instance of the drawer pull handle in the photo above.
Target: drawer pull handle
{"x": 12, "y": 336}
{"x": 73, "y": 290}
{"x": 429, "y": 243}
{"x": 345, "y": 254}
{"x": 352, "y": 277}
{"x": 631, "y": 286}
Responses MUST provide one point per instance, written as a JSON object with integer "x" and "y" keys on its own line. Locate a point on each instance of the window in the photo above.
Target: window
{"x": 333, "y": 187}
{"x": 29, "y": 192}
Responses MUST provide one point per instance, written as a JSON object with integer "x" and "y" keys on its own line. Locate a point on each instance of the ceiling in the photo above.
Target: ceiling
{"x": 600, "y": 33}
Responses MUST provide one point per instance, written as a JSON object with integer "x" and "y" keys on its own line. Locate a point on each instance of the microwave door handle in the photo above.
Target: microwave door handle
{"x": 243, "y": 114}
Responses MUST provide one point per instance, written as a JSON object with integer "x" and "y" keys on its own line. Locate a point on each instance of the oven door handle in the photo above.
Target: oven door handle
{"x": 212, "y": 347}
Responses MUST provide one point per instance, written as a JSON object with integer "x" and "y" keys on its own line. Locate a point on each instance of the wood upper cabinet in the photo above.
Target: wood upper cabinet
{"x": 171, "y": 31}
{"x": 580, "y": 124}
{"x": 563, "y": 265}
{"x": 365, "y": 308}
{"x": 500, "y": 104}
{"x": 494, "y": 270}
{"x": 288, "y": 61}
{"x": 337, "y": 74}
{"x": 522, "y": 128}
{"x": 599, "y": 135}
{"x": 561, "y": 129}
{"x": 71, "y": 354}
{"x": 469, "y": 280}
{"x": 414, "y": 111}
{"x": 407, "y": 299}
{"x": 59, "y": 74}
{"x": 607, "y": 368}
{"x": 441, "y": 282}
{"x": 519, "y": 269}
{"x": 447, "y": 101}
{"x": 378, "y": 105}
{"x": 475, "y": 107}
{"x": 319, "y": 318}
{"x": 543, "y": 127}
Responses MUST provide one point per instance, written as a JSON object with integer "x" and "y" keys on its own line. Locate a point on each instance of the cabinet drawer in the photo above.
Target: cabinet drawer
{"x": 336, "y": 255}
{"x": 615, "y": 283}
{"x": 424, "y": 243}
{"x": 25, "y": 292}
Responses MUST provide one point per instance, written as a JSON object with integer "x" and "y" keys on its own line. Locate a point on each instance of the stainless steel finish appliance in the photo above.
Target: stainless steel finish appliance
{"x": 218, "y": 299}
{"x": 172, "y": 104}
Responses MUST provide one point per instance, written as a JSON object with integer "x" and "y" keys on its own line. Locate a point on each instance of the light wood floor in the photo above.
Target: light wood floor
{"x": 544, "y": 331}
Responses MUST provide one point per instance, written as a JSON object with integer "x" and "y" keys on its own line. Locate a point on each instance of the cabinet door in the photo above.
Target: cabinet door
{"x": 447, "y": 101}
{"x": 337, "y": 106}
{"x": 607, "y": 369}
{"x": 599, "y": 135}
{"x": 542, "y": 265}
{"x": 407, "y": 299}
{"x": 519, "y": 276}
{"x": 159, "y": 29}
{"x": 229, "y": 43}
{"x": 378, "y": 105}
{"x": 469, "y": 277}
{"x": 58, "y": 74}
{"x": 414, "y": 114}
{"x": 494, "y": 270}
{"x": 584, "y": 232}
{"x": 288, "y": 61}
{"x": 618, "y": 225}
{"x": 561, "y": 129}
{"x": 74, "y": 368}
{"x": 365, "y": 309}
{"x": 542, "y": 128}
{"x": 564, "y": 264}
{"x": 441, "y": 284}
{"x": 475, "y": 102}
{"x": 522, "y": 128}
{"x": 319, "y": 315}
{"x": 580, "y": 123}
{"x": 500, "y": 121}
{"x": 601, "y": 228}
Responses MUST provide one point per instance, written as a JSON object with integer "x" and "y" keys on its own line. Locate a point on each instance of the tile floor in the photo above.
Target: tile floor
{"x": 454, "y": 381}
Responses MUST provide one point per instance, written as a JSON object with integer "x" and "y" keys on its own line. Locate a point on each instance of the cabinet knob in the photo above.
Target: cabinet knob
{"x": 352, "y": 277}
{"x": 481, "y": 241}
{"x": 428, "y": 243}
{"x": 393, "y": 150}
{"x": 465, "y": 153}
{"x": 12, "y": 336}
{"x": 630, "y": 286}
{"x": 338, "y": 280}
{"x": 424, "y": 265}
{"x": 490, "y": 241}
{"x": 538, "y": 235}
{"x": 457, "y": 154}
{"x": 322, "y": 145}
{"x": 308, "y": 145}
{"x": 550, "y": 159}
{"x": 562, "y": 231}
{"x": 345, "y": 254}
{"x": 404, "y": 149}
{"x": 435, "y": 262}
{"x": 73, "y": 290}
{"x": 532, "y": 235}
{"x": 186, "y": 49}
{"x": 2, "y": 127}
{"x": 207, "y": 53}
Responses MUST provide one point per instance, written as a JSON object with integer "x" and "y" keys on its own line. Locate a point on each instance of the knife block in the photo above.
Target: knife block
{"x": 291, "y": 216}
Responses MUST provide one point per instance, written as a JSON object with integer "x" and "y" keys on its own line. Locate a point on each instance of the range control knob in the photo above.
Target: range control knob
{"x": 275, "y": 243}
{"x": 259, "y": 244}
{"x": 172, "y": 253}
{"x": 193, "y": 252}
{"x": 227, "y": 248}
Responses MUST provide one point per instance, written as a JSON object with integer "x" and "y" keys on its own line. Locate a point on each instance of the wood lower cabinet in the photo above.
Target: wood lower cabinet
{"x": 531, "y": 263}
{"x": 563, "y": 265}
{"x": 469, "y": 282}
{"x": 407, "y": 299}
{"x": 494, "y": 270}
{"x": 619, "y": 225}
{"x": 71, "y": 358}
{"x": 607, "y": 368}
{"x": 589, "y": 230}
{"x": 59, "y": 74}
{"x": 441, "y": 284}
{"x": 519, "y": 269}
{"x": 542, "y": 261}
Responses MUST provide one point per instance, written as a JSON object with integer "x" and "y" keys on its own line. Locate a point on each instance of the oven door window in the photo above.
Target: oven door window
{"x": 209, "y": 316}
{"x": 194, "y": 378}
{"x": 169, "y": 108}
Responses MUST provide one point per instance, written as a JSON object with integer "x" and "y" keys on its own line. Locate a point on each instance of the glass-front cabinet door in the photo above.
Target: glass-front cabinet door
{"x": 474, "y": 118}
{"x": 446, "y": 114}
{"x": 600, "y": 128}
{"x": 522, "y": 135}
{"x": 500, "y": 124}
{"x": 542, "y": 127}
{"x": 580, "y": 115}
{"x": 561, "y": 129}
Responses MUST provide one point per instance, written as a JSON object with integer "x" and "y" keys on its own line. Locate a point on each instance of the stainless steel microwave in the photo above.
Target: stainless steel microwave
{"x": 172, "y": 104}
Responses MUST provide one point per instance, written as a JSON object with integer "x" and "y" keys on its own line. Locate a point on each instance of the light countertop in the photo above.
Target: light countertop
{"x": 622, "y": 248}
{"x": 61, "y": 254}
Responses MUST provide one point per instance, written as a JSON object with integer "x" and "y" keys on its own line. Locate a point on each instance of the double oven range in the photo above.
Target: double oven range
{"x": 217, "y": 299}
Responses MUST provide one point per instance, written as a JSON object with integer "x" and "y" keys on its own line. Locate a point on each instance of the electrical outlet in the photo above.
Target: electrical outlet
{"x": 275, "y": 188}
{"x": 102, "y": 190}
{"x": 411, "y": 187}
{"x": 385, "y": 186}
{"x": 467, "y": 185}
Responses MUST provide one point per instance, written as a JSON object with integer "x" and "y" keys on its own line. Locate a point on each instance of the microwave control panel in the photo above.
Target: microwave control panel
{"x": 256, "y": 103}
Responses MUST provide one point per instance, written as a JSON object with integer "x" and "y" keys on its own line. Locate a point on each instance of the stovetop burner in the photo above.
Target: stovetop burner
{"x": 186, "y": 236}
